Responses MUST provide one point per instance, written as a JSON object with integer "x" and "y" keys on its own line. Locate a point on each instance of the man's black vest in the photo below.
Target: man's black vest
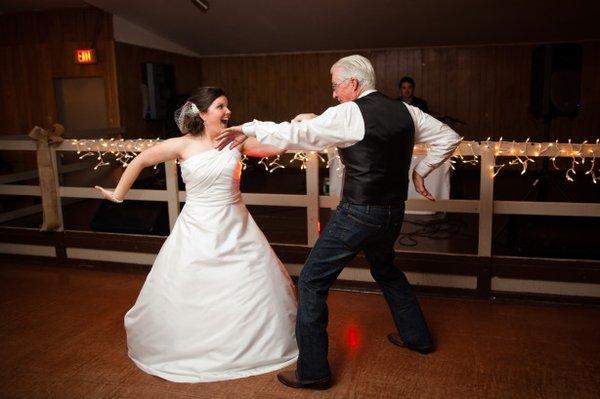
{"x": 377, "y": 166}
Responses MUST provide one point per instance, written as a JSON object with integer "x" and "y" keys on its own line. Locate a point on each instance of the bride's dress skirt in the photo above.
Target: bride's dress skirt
{"x": 217, "y": 304}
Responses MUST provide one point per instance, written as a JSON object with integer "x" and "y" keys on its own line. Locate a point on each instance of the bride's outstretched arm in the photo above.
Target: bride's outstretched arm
{"x": 165, "y": 151}
{"x": 253, "y": 148}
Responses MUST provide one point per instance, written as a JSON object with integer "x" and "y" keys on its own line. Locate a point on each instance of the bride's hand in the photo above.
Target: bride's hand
{"x": 108, "y": 195}
{"x": 303, "y": 117}
{"x": 233, "y": 135}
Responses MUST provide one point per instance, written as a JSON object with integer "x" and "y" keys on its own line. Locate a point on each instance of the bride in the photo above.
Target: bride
{"x": 217, "y": 303}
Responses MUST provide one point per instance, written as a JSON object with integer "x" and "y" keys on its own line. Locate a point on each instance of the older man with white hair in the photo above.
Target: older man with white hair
{"x": 375, "y": 136}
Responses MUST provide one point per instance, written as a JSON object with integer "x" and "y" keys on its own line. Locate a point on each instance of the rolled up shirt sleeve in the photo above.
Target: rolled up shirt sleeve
{"x": 339, "y": 126}
{"x": 441, "y": 139}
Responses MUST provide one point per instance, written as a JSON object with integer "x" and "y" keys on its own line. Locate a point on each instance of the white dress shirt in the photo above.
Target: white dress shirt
{"x": 343, "y": 126}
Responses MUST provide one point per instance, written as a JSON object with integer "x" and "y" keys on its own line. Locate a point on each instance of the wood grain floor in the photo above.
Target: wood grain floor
{"x": 62, "y": 336}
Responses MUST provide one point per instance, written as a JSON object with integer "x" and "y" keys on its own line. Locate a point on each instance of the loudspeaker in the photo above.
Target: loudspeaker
{"x": 556, "y": 80}
{"x": 132, "y": 217}
{"x": 553, "y": 237}
{"x": 158, "y": 89}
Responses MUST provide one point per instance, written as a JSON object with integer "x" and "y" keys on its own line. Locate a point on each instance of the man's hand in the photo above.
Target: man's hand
{"x": 108, "y": 195}
{"x": 419, "y": 183}
{"x": 234, "y": 135}
{"x": 303, "y": 117}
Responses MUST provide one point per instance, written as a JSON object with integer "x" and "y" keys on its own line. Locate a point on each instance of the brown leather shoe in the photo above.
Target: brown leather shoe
{"x": 396, "y": 339}
{"x": 290, "y": 379}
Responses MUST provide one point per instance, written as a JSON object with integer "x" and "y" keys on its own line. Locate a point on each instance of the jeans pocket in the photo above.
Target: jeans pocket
{"x": 361, "y": 221}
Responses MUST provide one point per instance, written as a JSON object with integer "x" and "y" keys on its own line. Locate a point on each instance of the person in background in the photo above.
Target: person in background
{"x": 407, "y": 89}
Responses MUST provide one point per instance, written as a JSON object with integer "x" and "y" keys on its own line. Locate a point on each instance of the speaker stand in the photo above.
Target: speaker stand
{"x": 543, "y": 180}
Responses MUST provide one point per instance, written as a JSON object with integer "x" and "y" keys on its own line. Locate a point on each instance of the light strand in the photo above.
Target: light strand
{"x": 123, "y": 151}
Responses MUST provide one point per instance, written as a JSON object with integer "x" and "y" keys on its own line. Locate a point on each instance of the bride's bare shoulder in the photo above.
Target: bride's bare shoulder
{"x": 178, "y": 142}
{"x": 174, "y": 146}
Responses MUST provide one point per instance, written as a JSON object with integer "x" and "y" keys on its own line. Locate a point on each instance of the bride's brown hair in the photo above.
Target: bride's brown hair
{"x": 202, "y": 98}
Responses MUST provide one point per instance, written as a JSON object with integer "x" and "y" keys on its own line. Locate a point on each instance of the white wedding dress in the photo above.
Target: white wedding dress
{"x": 217, "y": 304}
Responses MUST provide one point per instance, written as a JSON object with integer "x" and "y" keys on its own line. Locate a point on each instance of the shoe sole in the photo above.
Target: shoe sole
{"x": 401, "y": 344}
{"x": 320, "y": 386}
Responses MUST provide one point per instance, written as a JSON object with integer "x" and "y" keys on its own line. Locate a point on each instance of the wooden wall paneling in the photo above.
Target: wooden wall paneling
{"x": 188, "y": 76}
{"x": 484, "y": 104}
{"x": 481, "y": 103}
{"x": 431, "y": 76}
{"x": 415, "y": 67}
{"x": 235, "y": 89}
{"x": 397, "y": 66}
{"x": 507, "y": 93}
{"x": 208, "y": 70}
{"x": 416, "y": 64}
{"x": 323, "y": 93}
{"x": 113, "y": 107}
{"x": 462, "y": 84}
{"x": 246, "y": 91}
{"x": 244, "y": 96}
{"x": 284, "y": 86}
{"x": 524, "y": 122}
{"x": 298, "y": 73}
{"x": 301, "y": 97}
{"x": 512, "y": 119}
{"x": 486, "y": 86}
{"x": 404, "y": 63}
{"x": 38, "y": 47}
{"x": 250, "y": 86}
{"x": 388, "y": 79}
{"x": 451, "y": 93}
{"x": 260, "y": 97}
{"x": 272, "y": 104}
{"x": 587, "y": 124}
{"x": 306, "y": 82}
{"x": 378, "y": 59}
{"x": 392, "y": 73}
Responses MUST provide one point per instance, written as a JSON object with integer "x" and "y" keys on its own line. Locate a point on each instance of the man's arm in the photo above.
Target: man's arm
{"x": 442, "y": 140}
{"x": 339, "y": 126}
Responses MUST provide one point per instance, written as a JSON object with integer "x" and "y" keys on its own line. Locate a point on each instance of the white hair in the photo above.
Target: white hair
{"x": 356, "y": 67}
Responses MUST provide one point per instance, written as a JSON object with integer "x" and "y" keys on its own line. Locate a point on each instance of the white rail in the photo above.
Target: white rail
{"x": 485, "y": 206}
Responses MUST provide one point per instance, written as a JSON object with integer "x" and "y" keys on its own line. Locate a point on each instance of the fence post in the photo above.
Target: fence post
{"x": 312, "y": 199}
{"x": 54, "y": 160}
{"x": 486, "y": 216}
{"x": 486, "y": 201}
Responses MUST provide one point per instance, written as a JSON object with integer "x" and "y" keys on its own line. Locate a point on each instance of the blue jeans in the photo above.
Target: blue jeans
{"x": 374, "y": 230}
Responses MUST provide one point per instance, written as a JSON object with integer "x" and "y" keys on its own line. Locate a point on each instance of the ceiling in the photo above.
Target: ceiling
{"x": 262, "y": 26}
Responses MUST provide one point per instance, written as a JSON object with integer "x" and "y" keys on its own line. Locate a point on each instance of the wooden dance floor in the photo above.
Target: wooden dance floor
{"x": 62, "y": 336}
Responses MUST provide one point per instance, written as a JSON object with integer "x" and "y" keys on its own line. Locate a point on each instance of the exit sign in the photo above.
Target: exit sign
{"x": 85, "y": 56}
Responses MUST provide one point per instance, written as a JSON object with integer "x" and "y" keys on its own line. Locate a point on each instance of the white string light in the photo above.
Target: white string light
{"x": 523, "y": 153}
{"x": 274, "y": 165}
{"x": 243, "y": 160}
{"x": 591, "y": 170}
{"x": 122, "y": 150}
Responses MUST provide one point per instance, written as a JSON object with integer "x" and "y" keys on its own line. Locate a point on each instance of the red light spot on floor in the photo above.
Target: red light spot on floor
{"x": 352, "y": 337}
